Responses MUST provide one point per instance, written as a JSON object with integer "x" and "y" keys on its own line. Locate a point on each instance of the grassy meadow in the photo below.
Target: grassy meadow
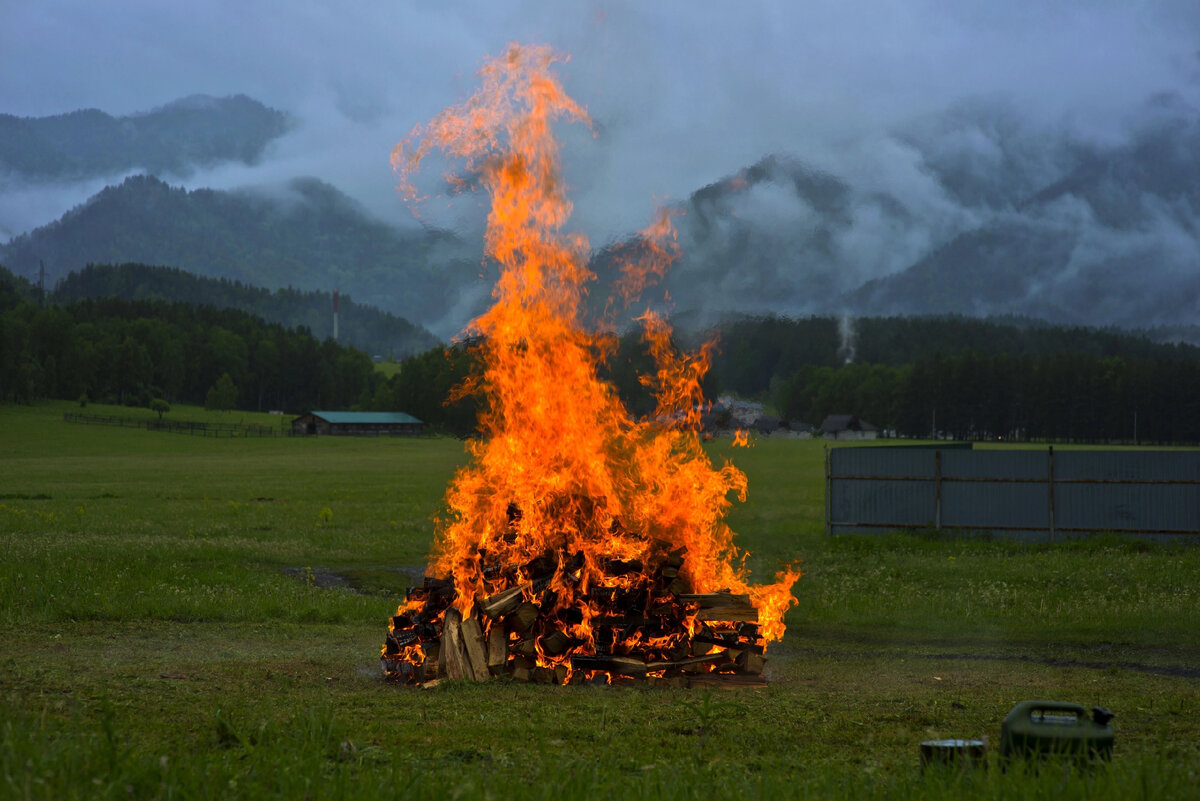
{"x": 183, "y": 617}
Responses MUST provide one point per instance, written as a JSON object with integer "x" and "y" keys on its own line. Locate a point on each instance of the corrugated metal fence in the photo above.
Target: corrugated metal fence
{"x": 1022, "y": 494}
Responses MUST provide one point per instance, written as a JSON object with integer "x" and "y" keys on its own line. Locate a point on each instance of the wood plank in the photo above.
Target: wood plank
{"x": 503, "y": 602}
{"x": 474, "y": 647}
{"x": 707, "y": 599}
{"x": 742, "y": 614}
{"x": 726, "y": 681}
{"x": 497, "y": 648}
{"x": 732, "y": 645}
{"x": 751, "y": 663}
{"x": 707, "y": 659}
{"x": 622, "y": 665}
{"x": 522, "y": 617}
{"x": 453, "y": 649}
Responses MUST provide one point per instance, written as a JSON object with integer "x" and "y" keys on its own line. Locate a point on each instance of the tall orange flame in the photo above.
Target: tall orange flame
{"x": 560, "y": 465}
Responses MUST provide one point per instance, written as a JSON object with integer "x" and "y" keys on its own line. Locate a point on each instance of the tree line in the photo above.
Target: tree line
{"x": 133, "y": 352}
{"x": 364, "y": 327}
{"x": 949, "y": 377}
{"x": 1066, "y": 397}
{"x": 957, "y": 377}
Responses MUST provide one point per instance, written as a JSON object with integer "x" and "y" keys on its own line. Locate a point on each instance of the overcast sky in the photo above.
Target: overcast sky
{"x": 683, "y": 92}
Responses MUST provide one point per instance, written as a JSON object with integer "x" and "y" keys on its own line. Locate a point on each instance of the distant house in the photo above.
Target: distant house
{"x": 370, "y": 424}
{"x": 847, "y": 427}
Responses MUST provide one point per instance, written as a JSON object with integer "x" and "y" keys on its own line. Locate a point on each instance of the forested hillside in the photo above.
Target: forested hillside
{"x": 307, "y": 236}
{"x": 192, "y": 132}
{"x": 967, "y": 378}
{"x": 133, "y": 352}
{"x": 364, "y": 327}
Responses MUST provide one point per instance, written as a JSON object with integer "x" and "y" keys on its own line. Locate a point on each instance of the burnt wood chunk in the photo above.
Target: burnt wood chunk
{"x": 718, "y": 658}
{"x": 750, "y": 663}
{"x": 525, "y": 648}
{"x": 622, "y": 665}
{"x": 497, "y": 648}
{"x": 474, "y": 647}
{"x": 622, "y": 567}
{"x": 731, "y": 644}
{"x": 556, "y": 643}
{"x": 524, "y": 616}
{"x": 679, "y": 587}
{"x": 709, "y": 599}
{"x": 502, "y": 603}
{"x": 620, "y": 621}
{"x": 730, "y": 613}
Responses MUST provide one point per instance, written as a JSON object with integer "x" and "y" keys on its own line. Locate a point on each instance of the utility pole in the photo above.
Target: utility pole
{"x": 335, "y": 315}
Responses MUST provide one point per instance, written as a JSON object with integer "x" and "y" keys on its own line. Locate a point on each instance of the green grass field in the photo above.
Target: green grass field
{"x": 184, "y": 617}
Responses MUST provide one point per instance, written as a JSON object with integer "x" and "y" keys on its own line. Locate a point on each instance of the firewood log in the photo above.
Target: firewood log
{"x": 453, "y": 649}
{"x": 623, "y": 665}
{"x": 750, "y": 663}
{"x": 474, "y": 647}
{"x": 722, "y": 606}
{"x": 556, "y": 643}
{"x": 679, "y": 587}
{"x": 728, "y": 681}
{"x": 497, "y": 650}
{"x": 731, "y": 644}
{"x": 522, "y": 618}
{"x": 717, "y": 658}
{"x": 503, "y": 602}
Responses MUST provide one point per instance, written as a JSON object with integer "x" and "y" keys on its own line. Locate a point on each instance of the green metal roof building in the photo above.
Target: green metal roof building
{"x": 368, "y": 424}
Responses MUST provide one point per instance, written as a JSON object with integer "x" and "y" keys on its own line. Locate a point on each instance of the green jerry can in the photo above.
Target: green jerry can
{"x": 1045, "y": 728}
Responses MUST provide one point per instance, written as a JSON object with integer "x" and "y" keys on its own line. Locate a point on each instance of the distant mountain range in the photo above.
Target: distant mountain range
{"x": 196, "y": 131}
{"x": 975, "y": 211}
{"x": 1068, "y": 231}
{"x": 1116, "y": 241}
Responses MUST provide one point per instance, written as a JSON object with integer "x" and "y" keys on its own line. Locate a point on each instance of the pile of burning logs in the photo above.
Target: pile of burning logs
{"x": 630, "y": 624}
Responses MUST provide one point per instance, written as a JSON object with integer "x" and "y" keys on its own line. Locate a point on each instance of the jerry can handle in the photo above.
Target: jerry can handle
{"x": 1031, "y": 707}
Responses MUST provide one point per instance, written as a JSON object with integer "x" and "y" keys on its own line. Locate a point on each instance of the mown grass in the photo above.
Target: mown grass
{"x": 166, "y": 634}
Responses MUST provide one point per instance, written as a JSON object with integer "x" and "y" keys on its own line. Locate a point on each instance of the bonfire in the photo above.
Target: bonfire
{"x": 579, "y": 543}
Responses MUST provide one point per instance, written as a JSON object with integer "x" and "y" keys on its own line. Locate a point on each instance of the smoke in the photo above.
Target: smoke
{"x": 847, "y": 339}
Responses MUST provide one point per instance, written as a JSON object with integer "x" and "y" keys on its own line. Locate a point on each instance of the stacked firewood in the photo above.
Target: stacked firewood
{"x": 632, "y": 624}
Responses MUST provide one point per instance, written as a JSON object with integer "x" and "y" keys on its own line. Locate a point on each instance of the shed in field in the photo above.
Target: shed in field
{"x": 847, "y": 427}
{"x": 368, "y": 424}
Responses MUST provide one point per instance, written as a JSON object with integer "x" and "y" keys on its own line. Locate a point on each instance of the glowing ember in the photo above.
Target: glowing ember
{"x": 603, "y": 529}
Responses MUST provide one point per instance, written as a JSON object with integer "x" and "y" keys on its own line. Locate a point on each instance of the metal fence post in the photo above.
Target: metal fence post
{"x": 937, "y": 490}
{"x": 1050, "y": 483}
{"x": 828, "y": 525}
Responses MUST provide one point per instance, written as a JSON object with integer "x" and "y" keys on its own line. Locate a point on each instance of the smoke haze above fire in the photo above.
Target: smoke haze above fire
{"x": 682, "y": 95}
